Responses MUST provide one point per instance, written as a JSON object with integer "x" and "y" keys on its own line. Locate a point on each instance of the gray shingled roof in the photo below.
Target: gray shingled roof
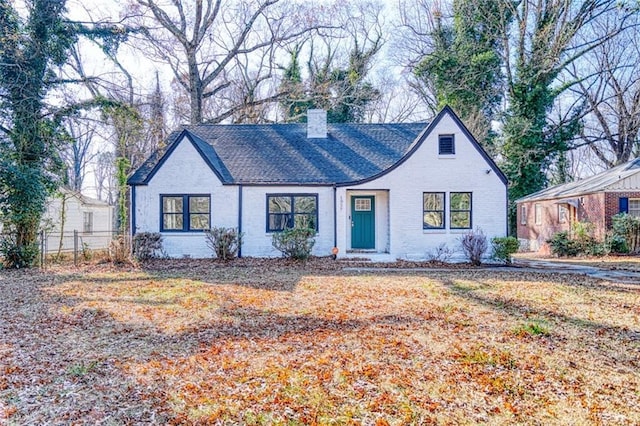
{"x": 595, "y": 183}
{"x": 282, "y": 153}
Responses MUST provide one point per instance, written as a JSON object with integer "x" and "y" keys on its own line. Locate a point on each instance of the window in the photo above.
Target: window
{"x": 87, "y": 223}
{"x": 538, "y": 214}
{"x": 523, "y": 215}
{"x": 433, "y": 210}
{"x": 563, "y": 213}
{"x": 185, "y": 212}
{"x": 634, "y": 207}
{"x": 292, "y": 211}
{"x": 446, "y": 145}
{"x": 460, "y": 210}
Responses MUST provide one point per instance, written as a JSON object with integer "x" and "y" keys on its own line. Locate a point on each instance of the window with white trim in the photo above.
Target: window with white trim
{"x": 538, "y": 214}
{"x": 523, "y": 215}
{"x": 563, "y": 213}
{"x": 634, "y": 207}
{"x": 87, "y": 222}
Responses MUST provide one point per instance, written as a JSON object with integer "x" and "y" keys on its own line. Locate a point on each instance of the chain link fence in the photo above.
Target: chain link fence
{"x": 77, "y": 245}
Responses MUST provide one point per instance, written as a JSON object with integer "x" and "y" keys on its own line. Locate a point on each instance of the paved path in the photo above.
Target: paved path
{"x": 619, "y": 275}
{"x": 534, "y": 265}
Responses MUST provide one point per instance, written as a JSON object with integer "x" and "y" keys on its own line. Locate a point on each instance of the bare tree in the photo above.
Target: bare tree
{"x": 609, "y": 85}
{"x": 77, "y": 154}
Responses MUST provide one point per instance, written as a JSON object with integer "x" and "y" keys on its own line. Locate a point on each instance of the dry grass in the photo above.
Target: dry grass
{"x": 278, "y": 343}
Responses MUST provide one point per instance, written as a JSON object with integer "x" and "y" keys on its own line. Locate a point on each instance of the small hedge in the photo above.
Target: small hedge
{"x": 295, "y": 243}
{"x": 147, "y": 245}
{"x": 504, "y": 248}
{"x": 224, "y": 242}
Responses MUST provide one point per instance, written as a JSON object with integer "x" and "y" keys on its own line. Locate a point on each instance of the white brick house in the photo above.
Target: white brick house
{"x": 382, "y": 191}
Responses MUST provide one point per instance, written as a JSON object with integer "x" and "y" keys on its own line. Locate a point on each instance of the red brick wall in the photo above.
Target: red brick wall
{"x": 537, "y": 235}
{"x": 612, "y": 205}
{"x": 592, "y": 210}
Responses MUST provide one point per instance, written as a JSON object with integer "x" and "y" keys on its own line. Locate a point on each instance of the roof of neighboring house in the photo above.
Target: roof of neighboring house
{"x": 596, "y": 183}
{"x": 282, "y": 153}
{"x": 83, "y": 198}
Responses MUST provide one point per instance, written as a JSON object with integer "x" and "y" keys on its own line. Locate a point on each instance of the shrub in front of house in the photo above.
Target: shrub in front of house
{"x": 474, "y": 245}
{"x": 626, "y": 233}
{"x": 224, "y": 242}
{"x": 295, "y": 243}
{"x": 579, "y": 242}
{"x": 504, "y": 248}
{"x": 147, "y": 245}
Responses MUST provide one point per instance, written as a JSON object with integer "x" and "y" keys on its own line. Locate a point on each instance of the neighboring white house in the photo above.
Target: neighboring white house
{"x": 71, "y": 211}
{"x": 383, "y": 191}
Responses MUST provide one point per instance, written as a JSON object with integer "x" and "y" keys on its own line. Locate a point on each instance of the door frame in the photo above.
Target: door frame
{"x": 372, "y": 213}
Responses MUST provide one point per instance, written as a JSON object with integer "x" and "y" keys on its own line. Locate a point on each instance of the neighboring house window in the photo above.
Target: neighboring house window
{"x": 433, "y": 210}
{"x": 634, "y": 207}
{"x": 538, "y": 214}
{"x": 563, "y": 213}
{"x": 460, "y": 210}
{"x": 523, "y": 215}
{"x": 446, "y": 145}
{"x": 292, "y": 211}
{"x": 87, "y": 223}
{"x": 185, "y": 212}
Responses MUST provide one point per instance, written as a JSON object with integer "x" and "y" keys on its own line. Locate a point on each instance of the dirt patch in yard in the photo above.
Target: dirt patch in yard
{"x": 276, "y": 342}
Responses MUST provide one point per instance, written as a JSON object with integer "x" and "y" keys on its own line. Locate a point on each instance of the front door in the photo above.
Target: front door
{"x": 363, "y": 222}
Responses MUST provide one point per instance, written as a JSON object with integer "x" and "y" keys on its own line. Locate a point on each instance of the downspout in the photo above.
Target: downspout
{"x": 133, "y": 210}
{"x": 335, "y": 217}
{"x": 240, "y": 218}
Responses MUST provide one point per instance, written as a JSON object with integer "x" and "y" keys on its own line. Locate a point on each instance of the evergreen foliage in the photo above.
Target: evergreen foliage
{"x": 341, "y": 91}
{"x": 464, "y": 67}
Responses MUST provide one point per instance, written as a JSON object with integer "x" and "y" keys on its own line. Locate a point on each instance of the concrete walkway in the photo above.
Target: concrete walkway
{"x": 532, "y": 265}
{"x": 540, "y": 265}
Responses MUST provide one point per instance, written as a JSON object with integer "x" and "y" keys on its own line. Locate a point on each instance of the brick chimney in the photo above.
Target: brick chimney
{"x": 316, "y": 123}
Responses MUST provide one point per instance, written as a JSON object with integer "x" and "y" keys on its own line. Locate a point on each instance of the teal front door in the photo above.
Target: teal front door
{"x": 363, "y": 222}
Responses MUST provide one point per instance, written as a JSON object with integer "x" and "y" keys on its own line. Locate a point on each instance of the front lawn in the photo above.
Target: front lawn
{"x": 198, "y": 342}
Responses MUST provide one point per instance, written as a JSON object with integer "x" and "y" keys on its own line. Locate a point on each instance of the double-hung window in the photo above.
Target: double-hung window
{"x": 286, "y": 211}
{"x": 433, "y": 210}
{"x": 460, "y": 210}
{"x": 183, "y": 213}
{"x": 634, "y": 207}
{"x": 87, "y": 222}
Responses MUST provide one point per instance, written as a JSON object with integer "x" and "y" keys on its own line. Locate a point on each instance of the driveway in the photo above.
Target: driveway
{"x": 541, "y": 265}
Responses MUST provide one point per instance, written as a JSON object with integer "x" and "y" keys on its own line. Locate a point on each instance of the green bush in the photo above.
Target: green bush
{"x": 295, "y": 243}
{"x": 562, "y": 245}
{"x": 147, "y": 245}
{"x": 504, "y": 248}
{"x": 626, "y": 227}
{"x": 17, "y": 257}
{"x": 224, "y": 242}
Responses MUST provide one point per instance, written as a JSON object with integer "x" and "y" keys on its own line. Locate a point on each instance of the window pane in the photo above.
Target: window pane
{"x": 434, "y": 219}
{"x": 172, "y": 221}
{"x": 305, "y": 204}
{"x": 460, "y": 201}
{"x": 198, "y": 221}
{"x": 305, "y": 221}
{"x": 460, "y": 219}
{"x": 433, "y": 201}
{"x": 279, "y": 204}
{"x": 278, "y": 221}
{"x": 172, "y": 204}
{"x": 198, "y": 204}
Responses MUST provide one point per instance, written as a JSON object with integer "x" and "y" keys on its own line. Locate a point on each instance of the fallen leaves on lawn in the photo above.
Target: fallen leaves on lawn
{"x": 278, "y": 342}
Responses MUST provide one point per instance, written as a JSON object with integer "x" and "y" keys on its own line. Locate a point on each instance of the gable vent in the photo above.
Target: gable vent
{"x": 446, "y": 145}
{"x": 316, "y": 123}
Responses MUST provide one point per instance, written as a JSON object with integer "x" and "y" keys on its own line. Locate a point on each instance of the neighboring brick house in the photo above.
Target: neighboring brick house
{"x": 595, "y": 200}
{"x": 383, "y": 191}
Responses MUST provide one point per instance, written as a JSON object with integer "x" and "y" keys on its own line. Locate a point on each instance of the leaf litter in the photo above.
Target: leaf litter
{"x": 276, "y": 342}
